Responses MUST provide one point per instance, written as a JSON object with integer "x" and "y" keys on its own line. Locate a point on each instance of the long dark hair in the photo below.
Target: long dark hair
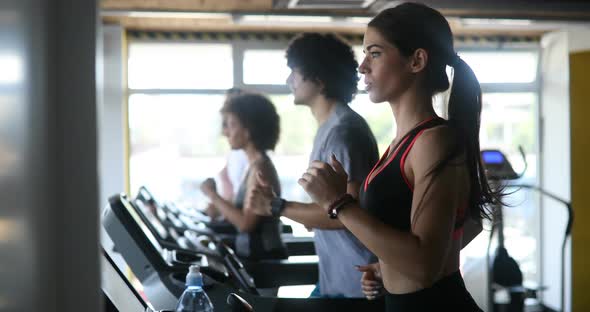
{"x": 412, "y": 26}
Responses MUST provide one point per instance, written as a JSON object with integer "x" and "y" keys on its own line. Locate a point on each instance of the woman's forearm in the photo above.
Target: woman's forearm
{"x": 401, "y": 250}
{"x": 310, "y": 215}
{"x": 229, "y": 211}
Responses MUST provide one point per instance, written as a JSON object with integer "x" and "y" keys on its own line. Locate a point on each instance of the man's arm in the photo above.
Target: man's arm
{"x": 311, "y": 215}
{"x": 344, "y": 144}
{"x": 350, "y": 146}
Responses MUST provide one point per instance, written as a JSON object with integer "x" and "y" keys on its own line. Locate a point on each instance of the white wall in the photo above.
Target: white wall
{"x": 579, "y": 39}
{"x": 556, "y": 157}
{"x": 111, "y": 116}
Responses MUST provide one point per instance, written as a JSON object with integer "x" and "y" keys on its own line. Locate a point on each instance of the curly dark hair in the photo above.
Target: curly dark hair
{"x": 256, "y": 113}
{"x": 328, "y": 59}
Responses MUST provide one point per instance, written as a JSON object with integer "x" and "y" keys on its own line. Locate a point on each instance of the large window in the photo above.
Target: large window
{"x": 509, "y": 122}
{"x": 177, "y": 88}
{"x": 175, "y": 143}
{"x": 175, "y": 94}
{"x": 273, "y": 72}
{"x": 180, "y": 65}
{"x": 503, "y": 67}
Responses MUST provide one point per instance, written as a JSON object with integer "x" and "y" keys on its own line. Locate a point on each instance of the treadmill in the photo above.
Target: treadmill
{"x": 199, "y": 239}
{"x": 176, "y": 222}
{"x": 161, "y": 271}
{"x": 177, "y": 231}
{"x": 120, "y": 296}
{"x": 172, "y": 217}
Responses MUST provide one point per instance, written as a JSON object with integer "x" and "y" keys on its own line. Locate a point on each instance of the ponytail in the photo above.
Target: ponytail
{"x": 464, "y": 114}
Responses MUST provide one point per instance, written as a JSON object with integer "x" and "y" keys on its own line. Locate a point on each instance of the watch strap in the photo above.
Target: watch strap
{"x": 338, "y": 204}
{"x": 277, "y": 205}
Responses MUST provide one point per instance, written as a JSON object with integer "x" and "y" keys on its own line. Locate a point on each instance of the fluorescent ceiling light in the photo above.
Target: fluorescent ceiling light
{"x": 329, "y": 4}
{"x": 285, "y": 19}
{"x": 204, "y": 15}
{"x": 302, "y": 20}
{"x": 495, "y": 22}
{"x": 187, "y": 15}
{"x": 364, "y": 20}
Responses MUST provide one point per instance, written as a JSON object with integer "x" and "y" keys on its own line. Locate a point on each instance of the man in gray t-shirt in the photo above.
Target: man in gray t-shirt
{"x": 346, "y": 135}
{"x": 324, "y": 77}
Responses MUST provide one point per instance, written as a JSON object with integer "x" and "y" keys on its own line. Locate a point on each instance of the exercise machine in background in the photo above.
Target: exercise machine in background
{"x": 504, "y": 274}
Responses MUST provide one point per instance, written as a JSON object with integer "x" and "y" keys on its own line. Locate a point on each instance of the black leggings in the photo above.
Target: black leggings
{"x": 448, "y": 294}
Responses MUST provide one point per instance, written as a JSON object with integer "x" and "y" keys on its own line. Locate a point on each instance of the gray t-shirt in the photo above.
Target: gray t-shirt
{"x": 347, "y": 135}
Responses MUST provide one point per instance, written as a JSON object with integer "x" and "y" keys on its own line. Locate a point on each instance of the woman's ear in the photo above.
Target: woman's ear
{"x": 418, "y": 60}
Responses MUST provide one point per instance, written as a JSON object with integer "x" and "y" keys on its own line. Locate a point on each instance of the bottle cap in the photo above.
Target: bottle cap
{"x": 194, "y": 276}
{"x": 195, "y": 268}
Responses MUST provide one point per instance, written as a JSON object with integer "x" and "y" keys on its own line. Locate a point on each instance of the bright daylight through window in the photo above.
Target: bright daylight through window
{"x": 177, "y": 89}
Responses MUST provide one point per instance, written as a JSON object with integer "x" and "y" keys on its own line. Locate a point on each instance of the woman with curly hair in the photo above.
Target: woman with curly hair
{"x": 252, "y": 125}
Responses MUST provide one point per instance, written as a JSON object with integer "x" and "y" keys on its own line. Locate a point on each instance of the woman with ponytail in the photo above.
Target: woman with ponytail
{"x": 426, "y": 198}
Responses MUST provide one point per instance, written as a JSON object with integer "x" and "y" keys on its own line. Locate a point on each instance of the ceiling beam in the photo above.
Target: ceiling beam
{"x": 574, "y": 10}
{"x": 204, "y": 25}
{"x": 578, "y": 10}
{"x": 195, "y": 15}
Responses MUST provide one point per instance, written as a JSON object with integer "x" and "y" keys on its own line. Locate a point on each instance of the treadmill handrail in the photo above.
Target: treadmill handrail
{"x": 146, "y": 195}
{"x": 110, "y": 263}
{"x": 150, "y": 220}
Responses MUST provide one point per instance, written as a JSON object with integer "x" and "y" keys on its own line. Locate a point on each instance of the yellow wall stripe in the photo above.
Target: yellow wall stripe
{"x": 580, "y": 151}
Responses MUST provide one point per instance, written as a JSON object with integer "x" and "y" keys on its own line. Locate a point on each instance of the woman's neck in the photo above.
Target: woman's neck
{"x": 411, "y": 109}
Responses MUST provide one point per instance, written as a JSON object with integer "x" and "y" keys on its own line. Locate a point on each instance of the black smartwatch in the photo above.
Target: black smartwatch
{"x": 277, "y": 205}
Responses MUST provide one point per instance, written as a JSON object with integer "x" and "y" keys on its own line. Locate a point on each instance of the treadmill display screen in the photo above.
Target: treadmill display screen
{"x": 144, "y": 228}
{"x": 492, "y": 157}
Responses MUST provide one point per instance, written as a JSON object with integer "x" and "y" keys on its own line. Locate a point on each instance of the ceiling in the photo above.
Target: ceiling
{"x": 515, "y": 17}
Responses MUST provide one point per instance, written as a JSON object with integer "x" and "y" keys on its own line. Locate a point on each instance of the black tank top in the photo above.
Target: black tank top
{"x": 388, "y": 194}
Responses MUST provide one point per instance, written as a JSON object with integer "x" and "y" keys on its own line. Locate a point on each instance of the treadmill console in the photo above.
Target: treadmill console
{"x": 133, "y": 237}
{"x": 497, "y": 165}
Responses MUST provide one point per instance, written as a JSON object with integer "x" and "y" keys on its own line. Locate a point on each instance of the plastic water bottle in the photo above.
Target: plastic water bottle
{"x": 194, "y": 298}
